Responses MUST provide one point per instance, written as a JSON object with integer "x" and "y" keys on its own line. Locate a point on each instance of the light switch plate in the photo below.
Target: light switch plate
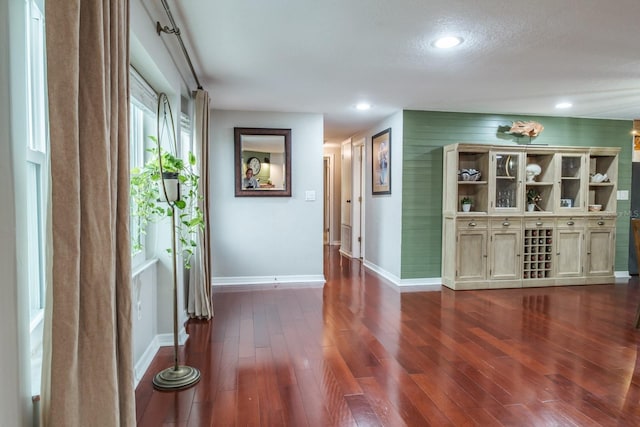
{"x": 309, "y": 195}
{"x": 623, "y": 194}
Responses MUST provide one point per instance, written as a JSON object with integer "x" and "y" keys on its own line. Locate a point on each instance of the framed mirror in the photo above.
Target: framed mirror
{"x": 262, "y": 162}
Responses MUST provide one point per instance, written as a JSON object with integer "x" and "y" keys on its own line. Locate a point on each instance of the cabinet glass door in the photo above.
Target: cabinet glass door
{"x": 507, "y": 181}
{"x": 571, "y": 182}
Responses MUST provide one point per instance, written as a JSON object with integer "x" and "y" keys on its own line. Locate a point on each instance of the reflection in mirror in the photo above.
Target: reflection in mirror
{"x": 262, "y": 162}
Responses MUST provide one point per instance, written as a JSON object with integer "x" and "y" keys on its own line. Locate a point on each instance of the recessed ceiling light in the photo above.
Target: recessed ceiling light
{"x": 447, "y": 42}
{"x": 363, "y": 106}
{"x": 564, "y": 105}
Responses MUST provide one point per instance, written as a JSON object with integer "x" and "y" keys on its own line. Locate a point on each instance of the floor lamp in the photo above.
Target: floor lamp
{"x": 176, "y": 377}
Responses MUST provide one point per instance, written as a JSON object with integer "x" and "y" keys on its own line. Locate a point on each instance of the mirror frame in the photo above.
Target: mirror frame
{"x": 240, "y": 192}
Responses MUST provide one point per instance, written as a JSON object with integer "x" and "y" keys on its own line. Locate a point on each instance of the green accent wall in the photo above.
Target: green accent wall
{"x": 265, "y": 168}
{"x": 426, "y": 132}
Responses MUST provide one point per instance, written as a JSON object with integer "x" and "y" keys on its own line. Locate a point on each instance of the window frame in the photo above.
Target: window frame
{"x": 142, "y": 115}
{"x": 37, "y": 159}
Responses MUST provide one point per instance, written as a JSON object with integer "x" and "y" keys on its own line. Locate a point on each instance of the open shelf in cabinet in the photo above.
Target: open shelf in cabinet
{"x": 603, "y": 192}
{"x": 478, "y": 190}
{"x": 545, "y": 191}
{"x": 547, "y": 170}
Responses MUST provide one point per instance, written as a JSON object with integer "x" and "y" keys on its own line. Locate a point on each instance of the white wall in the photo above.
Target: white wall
{"x": 383, "y": 213}
{"x": 267, "y": 240}
{"x": 144, "y": 319}
{"x": 15, "y": 388}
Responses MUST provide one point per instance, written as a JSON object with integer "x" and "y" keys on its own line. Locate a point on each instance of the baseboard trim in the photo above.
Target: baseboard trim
{"x": 145, "y": 360}
{"x": 166, "y": 340}
{"x": 160, "y": 340}
{"x": 406, "y": 285}
{"x": 252, "y": 283}
{"x": 622, "y": 276}
{"x": 345, "y": 253}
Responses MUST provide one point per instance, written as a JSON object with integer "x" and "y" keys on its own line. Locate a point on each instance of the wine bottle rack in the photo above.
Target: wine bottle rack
{"x": 538, "y": 250}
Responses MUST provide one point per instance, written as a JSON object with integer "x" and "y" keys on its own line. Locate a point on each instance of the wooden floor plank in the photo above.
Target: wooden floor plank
{"x": 358, "y": 352}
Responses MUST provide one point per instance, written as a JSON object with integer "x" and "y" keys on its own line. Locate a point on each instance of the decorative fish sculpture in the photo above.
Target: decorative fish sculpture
{"x": 529, "y": 128}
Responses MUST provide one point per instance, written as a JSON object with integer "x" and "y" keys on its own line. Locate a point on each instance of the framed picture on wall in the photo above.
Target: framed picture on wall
{"x": 636, "y": 149}
{"x": 381, "y": 162}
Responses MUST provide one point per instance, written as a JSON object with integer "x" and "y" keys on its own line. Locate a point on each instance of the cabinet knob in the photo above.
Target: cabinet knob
{"x": 472, "y": 224}
{"x": 506, "y": 223}
{"x": 600, "y": 222}
{"x": 558, "y": 253}
{"x": 570, "y": 222}
{"x": 539, "y": 223}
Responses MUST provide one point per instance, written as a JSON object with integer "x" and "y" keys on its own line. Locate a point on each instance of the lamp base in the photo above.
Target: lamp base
{"x": 176, "y": 378}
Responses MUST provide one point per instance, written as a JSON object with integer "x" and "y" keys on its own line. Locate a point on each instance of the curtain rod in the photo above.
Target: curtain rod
{"x": 175, "y": 30}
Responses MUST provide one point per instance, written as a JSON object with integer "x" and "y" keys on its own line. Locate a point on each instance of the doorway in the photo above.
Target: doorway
{"x": 327, "y": 200}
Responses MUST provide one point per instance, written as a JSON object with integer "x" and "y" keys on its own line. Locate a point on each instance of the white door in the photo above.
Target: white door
{"x": 327, "y": 201}
{"x": 358, "y": 157}
{"x": 345, "y": 202}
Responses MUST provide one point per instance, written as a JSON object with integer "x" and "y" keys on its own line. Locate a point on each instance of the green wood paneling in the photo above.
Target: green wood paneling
{"x": 426, "y": 132}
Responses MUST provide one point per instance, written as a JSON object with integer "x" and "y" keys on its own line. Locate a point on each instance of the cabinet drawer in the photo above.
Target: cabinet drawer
{"x": 602, "y": 222}
{"x": 539, "y": 223}
{"x": 472, "y": 224}
{"x": 506, "y": 223}
{"x": 569, "y": 222}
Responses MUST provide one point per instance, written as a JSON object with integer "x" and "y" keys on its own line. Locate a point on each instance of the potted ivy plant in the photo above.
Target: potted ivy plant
{"x": 466, "y": 204}
{"x": 164, "y": 185}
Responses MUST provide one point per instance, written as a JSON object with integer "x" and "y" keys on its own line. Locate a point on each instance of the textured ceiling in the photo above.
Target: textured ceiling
{"x": 519, "y": 57}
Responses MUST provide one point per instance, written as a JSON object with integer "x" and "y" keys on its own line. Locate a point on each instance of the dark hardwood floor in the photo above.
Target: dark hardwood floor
{"x": 359, "y": 353}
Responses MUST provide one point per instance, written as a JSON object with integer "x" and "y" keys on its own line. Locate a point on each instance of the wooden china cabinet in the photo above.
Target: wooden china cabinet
{"x": 540, "y": 215}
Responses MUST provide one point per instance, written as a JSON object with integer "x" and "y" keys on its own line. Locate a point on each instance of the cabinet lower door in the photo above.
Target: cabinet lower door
{"x": 600, "y": 252}
{"x": 505, "y": 255}
{"x": 569, "y": 253}
{"x": 472, "y": 259}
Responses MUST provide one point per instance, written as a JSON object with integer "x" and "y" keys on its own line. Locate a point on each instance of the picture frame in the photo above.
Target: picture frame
{"x": 566, "y": 203}
{"x": 381, "y": 162}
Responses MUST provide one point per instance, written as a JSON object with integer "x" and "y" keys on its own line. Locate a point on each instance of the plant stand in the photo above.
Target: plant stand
{"x": 178, "y": 376}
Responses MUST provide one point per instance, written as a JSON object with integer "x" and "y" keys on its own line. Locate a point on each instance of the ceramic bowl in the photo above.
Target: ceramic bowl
{"x": 469, "y": 175}
{"x": 597, "y": 178}
{"x": 595, "y": 208}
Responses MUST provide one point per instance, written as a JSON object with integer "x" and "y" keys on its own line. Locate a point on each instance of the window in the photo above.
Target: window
{"x": 37, "y": 123}
{"x": 141, "y": 125}
{"x": 36, "y": 146}
{"x": 186, "y": 144}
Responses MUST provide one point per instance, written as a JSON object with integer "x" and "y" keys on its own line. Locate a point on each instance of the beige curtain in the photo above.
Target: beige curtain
{"x": 88, "y": 374}
{"x": 199, "y": 295}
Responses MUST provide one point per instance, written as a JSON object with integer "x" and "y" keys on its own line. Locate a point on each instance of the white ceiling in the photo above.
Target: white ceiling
{"x": 324, "y": 56}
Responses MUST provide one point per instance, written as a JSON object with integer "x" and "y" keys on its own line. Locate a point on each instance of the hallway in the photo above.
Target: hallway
{"x": 357, "y": 352}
